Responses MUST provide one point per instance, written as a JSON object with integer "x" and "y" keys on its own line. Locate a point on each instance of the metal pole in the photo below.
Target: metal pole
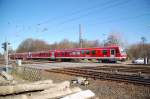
{"x": 6, "y": 56}
{"x": 80, "y": 36}
{"x": 5, "y": 47}
{"x": 144, "y": 50}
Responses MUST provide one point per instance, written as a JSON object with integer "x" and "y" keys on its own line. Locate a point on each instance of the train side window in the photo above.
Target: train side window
{"x": 87, "y": 52}
{"x": 58, "y": 53}
{"x": 104, "y": 52}
{"x": 73, "y": 53}
{"x": 66, "y": 53}
{"x": 70, "y": 53}
{"x": 93, "y": 52}
{"x": 82, "y": 52}
{"x": 78, "y": 53}
{"x": 63, "y": 53}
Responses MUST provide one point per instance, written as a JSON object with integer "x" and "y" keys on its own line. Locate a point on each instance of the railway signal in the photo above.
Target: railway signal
{"x": 5, "y": 46}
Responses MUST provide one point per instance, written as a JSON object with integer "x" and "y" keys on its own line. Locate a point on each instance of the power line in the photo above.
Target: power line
{"x": 89, "y": 10}
{"x": 105, "y": 6}
{"x": 76, "y": 12}
{"x": 122, "y": 19}
{"x": 80, "y": 36}
{"x": 109, "y": 6}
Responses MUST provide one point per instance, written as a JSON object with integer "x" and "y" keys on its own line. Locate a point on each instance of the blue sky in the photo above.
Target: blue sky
{"x": 54, "y": 20}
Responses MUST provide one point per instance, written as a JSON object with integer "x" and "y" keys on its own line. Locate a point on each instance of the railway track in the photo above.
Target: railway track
{"x": 36, "y": 62}
{"x": 105, "y": 75}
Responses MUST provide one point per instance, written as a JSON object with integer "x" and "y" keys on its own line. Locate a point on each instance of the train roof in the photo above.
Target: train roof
{"x": 106, "y": 47}
{"x": 91, "y": 48}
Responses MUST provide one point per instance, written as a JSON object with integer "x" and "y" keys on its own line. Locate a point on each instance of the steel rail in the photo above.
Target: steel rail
{"x": 89, "y": 73}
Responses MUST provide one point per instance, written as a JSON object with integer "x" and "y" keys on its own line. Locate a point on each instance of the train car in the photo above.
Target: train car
{"x": 110, "y": 53}
{"x": 33, "y": 55}
{"x": 39, "y": 55}
{"x": 22, "y": 56}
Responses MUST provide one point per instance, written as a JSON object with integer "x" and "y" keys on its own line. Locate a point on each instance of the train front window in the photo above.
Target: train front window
{"x": 122, "y": 51}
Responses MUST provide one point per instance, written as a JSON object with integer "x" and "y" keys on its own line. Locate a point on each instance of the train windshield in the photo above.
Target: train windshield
{"x": 123, "y": 51}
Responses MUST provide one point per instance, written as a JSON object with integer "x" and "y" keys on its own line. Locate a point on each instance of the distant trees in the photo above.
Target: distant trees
{"x": 141, "y": 49}
{"x": 138, "y": 50}
{"x": 30, "y": 45}
{"x": 114, "y": 39}
{"x": 64, "y": 44}
{"x": 94, "y": 43}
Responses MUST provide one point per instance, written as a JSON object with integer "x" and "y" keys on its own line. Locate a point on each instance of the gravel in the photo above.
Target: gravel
{"x": 106, "y": 89}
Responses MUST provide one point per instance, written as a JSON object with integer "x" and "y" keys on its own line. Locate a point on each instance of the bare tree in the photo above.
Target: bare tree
{"x": 143, "y": 39}
{"x": 114, "y": 39}
{"x": 30, "y": 45}
{"x": 136, "y": 50}
{"x": 1, "y": 56}
{"x": 94, "y": 43}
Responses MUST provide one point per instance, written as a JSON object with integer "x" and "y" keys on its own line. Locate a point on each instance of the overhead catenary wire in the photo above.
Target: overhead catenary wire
{"x": 76, "y": 12}
{"x": 79, "y": 14}
{"x": 105, "y": 7}
{"x": 121, "y": 19}
{"x": 109, "y": 5}
{"x": 88, "y": 11}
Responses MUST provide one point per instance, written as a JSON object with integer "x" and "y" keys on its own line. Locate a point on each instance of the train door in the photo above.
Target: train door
{"x": 52, "y": 55}
{"x": 29, "y": 55}
{"x": 112, "y": 53}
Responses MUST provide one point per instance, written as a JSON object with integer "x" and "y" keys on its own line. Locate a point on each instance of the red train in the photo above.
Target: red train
{"x": 111, "y": 53}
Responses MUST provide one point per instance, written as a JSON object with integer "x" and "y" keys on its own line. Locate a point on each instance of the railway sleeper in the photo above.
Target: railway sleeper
{"x": 105, "y": 76}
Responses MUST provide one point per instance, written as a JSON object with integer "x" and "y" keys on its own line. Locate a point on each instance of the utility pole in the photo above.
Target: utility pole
{"x": 144, "y": 50}
{"x": 80, "y": 36}
{"x": 5, "y": 47}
